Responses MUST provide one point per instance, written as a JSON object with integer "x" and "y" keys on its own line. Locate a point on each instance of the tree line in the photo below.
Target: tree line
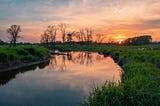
{"x": 82, "y": 36}
{"x": 139, "y": 40}
{"x": 48, "y": 37}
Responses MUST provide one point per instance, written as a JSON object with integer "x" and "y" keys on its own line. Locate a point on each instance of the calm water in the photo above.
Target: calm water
{"x": 65, "y": 80}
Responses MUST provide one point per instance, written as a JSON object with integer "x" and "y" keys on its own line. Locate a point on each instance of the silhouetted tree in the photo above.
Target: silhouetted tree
{"x": 62, "y": 28}
{"x": 140, "y": 40}
{"x": 45, "y": 39}
{"x": 88, "y": 35}
{"x": 99, "y": 38}
{"x": 69, "y": 37}
{"x": 14, "y": 31}
{"x": 77, "y": 36}
{"x": 49, "y": 36}
{"x": 52, "y": 31}
{"x": 80, "y": 36}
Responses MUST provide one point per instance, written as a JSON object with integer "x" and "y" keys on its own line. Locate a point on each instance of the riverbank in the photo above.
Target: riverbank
{"x": 13, "y": 58}
{"x": 140, "y": 84}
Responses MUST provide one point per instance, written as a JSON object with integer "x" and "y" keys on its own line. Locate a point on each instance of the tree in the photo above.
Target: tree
{"x": 49, "y": 36}
{"x": 88, "y": 35}
{"x": 80, "y": 35}
{"x": 14, "y": 31}
{"x": 99, "y": 38}
{"x": 52, "y": 32}
{"x": 77, "y": 36}
{"x": 45, "y": 39}
{"x": 140, "y": 40}
{"x": 69, "y": 37}
{"x": 62, "y": 28}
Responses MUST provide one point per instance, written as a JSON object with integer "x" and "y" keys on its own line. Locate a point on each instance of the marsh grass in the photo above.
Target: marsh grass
{"x": 22, "y": 53}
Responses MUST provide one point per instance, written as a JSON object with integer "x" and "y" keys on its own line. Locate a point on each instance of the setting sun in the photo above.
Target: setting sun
{"x": 120, "y": 41}
{"x": 119, "y": 38}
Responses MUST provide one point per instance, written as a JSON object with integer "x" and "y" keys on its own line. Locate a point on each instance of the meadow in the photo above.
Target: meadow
{"x": 140, "y": 82}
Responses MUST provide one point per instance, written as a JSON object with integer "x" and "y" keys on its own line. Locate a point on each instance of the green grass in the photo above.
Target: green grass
{"x": 140, "y": 84}
{"x": 22, "y": 53}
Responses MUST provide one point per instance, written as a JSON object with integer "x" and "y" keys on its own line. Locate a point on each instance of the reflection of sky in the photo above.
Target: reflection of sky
{"x": 59, "y": 88}
{"x": 111, "y": 17}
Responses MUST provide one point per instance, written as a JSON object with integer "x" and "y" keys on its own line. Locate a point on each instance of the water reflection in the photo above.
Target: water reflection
{"x": 60, "y": 63}
{"x": 63, "y": 81}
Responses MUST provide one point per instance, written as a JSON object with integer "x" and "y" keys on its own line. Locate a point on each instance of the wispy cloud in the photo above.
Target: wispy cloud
{"x": 107, "y": 16}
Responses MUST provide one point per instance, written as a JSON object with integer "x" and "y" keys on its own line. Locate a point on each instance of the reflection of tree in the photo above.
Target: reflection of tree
{"x": 5, "y": 77}
{"x": 83, "y": 58}
{"x": 61, "y": 62}
{"x": 54, "y": 64}
{"x": 69, "y": 56}
{"x": 63, "y": 65}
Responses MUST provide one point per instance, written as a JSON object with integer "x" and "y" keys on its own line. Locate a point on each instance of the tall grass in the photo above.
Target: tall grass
{"x": 22, "y": 53}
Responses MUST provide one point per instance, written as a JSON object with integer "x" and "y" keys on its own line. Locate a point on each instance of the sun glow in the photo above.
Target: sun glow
{"x": 120, "y": 41}
{"x": 119, "y": 38}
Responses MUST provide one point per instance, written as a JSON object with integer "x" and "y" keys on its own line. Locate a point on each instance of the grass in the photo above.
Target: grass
{"x": 140, "y": 84}
{"x": 21, "y": 53}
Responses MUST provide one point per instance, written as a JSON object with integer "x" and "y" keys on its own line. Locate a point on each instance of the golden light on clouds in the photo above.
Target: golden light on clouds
{"x": 114, "y": 18}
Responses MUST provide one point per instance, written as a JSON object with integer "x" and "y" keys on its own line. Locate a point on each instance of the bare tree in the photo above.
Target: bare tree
{"x": 52, "y": 31}
{"x": 88, "y": 35}
{"x": 77, "y": 36}
{"x": 99, "y": 38}
{"x": 45, "y": 39}
{"x": 69, "y": 37}
{"x": 80, "y": 36}
{"x": 49, "y": 36}
{"x": 14, "y": 31}
{"x": 62, "y": 28}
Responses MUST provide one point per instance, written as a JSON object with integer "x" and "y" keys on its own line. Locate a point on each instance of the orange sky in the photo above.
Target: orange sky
{"x": 117, "y": 19}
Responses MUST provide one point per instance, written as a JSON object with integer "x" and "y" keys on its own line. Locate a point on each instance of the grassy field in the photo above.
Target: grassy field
{"x": 21, "y": 54}
{"x": 140, "y": 85}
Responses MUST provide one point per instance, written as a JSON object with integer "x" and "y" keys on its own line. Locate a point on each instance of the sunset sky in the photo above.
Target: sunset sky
{"x": 117, "y": 19}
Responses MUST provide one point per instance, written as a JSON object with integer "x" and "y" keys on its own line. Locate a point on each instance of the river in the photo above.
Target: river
{"x": 65, "y": 80}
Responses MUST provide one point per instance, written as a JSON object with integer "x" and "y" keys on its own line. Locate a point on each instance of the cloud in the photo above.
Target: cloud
{"x": 102, "y": 15}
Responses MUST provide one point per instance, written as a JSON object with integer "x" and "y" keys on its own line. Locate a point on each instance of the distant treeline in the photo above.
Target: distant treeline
{"x": 140, "y": 40}
{"x": 126, "y": 42}
{"x": 84, "y": 36}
